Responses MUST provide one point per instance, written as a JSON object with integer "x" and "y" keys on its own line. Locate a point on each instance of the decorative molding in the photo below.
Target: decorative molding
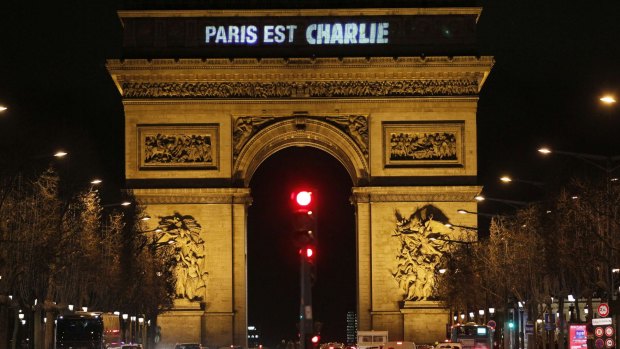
{"x": 300, "y": 77}
{"x": 415, "y": 194}
{"x": 305, "y": 89}
{"x": 478, "y": 64}
{"x": 194, "y": 196}
{"x": 301, "y": 130}
{"x": 355, "y": 126}
{"x": 299, "y": 12}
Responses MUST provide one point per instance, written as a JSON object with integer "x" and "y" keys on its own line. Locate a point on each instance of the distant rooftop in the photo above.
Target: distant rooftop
{"x": 288, "y": 4}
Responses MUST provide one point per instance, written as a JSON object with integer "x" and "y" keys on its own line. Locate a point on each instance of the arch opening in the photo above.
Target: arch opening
{"x": 302, "y": 132}
{"x": 273, "y": 260}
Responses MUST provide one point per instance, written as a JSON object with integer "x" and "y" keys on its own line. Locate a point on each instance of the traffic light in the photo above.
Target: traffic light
{"x": 304, "y": 219}
{"x": 309, "y": 253}
{"x": 315, "y": 340}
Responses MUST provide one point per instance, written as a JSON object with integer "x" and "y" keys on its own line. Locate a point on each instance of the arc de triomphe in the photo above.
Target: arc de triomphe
{"x": 390, "y": 93}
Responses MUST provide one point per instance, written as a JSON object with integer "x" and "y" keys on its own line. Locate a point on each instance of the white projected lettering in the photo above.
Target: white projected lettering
{"x": 351, "y": 33}
{"x": 315, "y": 34}
{"x": 231, "y": 34}
{"x": 279, "y": 33}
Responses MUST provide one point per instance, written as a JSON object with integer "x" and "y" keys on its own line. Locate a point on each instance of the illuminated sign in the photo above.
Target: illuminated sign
{"x": 299, "y": 35}
{"x": 315, "y": 34}
{"x": 578, "y": 337}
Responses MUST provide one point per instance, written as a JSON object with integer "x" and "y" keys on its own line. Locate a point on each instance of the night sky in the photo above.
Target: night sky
{"x": 553, "y": 61}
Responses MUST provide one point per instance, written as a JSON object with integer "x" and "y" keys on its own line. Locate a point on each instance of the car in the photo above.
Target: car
{"x": 449, "y": 345}
{"x": 399, "y": 345}
{"x": 188, "y": 346}
{"x": 132, "y": 346}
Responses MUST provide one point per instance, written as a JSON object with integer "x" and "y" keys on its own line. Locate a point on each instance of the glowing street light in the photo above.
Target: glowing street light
{"x": 509, "y": 179}
{"x": 2, "y": 108}
{"x": 60, "y": 154}
{"x": 512, "y": 203}
{"x": 608, "y": 99}
{"x": 96, "y": 181}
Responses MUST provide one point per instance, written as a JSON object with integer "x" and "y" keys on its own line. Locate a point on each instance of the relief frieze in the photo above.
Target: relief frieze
{"x": 305, "y": 89}
{"x": 355, "y": 126}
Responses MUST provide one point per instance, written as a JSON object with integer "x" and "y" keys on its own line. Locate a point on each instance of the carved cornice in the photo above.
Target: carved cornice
{"x": 194, "y": 196}
{"x": 234, "y": 65}
{"x": 443, "y": 11}
{"x": 415, "y": 194}
{"x": 306, "y": 89}
{"x": 355, "y": 77}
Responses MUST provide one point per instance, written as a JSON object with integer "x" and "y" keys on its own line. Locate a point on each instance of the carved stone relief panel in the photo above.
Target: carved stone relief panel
{"x": 410, "y": 144}
{"x": 424, "y": 243}
{"x": 188, "y": 264}
{"x": 178, "y": 146}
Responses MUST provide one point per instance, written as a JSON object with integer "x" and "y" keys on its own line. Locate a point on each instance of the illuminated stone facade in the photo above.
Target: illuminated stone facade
{"x": 404, "y": 129}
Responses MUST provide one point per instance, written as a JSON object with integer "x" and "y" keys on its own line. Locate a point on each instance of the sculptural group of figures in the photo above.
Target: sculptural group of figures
{"x": 421, "y": 251}
{"x": 423, "y": 146}
{"x": 177, "y": 148}
{"x": 190, "y": 273}
{"x": 279, "y": 89}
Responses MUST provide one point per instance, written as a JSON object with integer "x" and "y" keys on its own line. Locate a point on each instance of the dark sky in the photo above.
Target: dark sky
{"x": 553, "y": 61}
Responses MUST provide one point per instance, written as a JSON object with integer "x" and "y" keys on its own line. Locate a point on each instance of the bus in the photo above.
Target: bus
{"x": 472, "y": 336}
{"x": 88, "y": 330}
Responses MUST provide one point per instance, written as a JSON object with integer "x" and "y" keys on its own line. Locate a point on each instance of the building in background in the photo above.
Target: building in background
{"x": 351, "y": 327}
{"x": 253, "y": 337}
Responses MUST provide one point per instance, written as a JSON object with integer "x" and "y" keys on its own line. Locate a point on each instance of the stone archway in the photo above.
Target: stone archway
{"x": 403, "y": 127}
{"x": 307, "y": 131}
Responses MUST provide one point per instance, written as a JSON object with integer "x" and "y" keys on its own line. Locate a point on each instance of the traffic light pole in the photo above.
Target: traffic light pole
{"x": 305, "y": 308}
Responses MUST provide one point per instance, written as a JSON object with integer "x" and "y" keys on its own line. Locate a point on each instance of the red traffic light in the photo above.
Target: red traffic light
{"x": 308, "y": 253}
{"x": 303, "y": 198}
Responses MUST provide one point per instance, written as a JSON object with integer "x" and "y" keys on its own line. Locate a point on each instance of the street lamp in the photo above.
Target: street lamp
{"x": 512, "y": 203}
{"x": 509, "y": 179}
{"x": 608, "y": 99}
{"x": 2, "y": 108}
{"x": 463, "y": 211}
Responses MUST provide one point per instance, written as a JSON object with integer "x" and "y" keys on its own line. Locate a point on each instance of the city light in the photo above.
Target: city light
{"x": 608, "y": 99}
{"x": 96, "y": 181}
{"x": 505, "y": 179}
{"x": 60, "y": 154}
{"x": 2, "y": 108}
